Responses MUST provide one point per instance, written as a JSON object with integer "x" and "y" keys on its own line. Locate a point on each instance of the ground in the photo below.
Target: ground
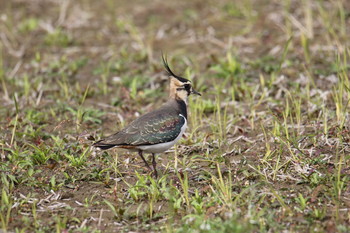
{"x": 267, "y": 148}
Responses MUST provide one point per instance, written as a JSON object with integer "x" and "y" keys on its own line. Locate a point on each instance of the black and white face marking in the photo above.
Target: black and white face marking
{"x": 188, "y": 88}
{"x": 181, "y": 84}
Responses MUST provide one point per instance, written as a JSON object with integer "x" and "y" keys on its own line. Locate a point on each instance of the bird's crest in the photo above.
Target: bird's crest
{"x": 171, "y": 73}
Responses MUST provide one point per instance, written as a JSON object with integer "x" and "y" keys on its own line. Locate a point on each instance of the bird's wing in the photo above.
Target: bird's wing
{"x": 152, "y": 128}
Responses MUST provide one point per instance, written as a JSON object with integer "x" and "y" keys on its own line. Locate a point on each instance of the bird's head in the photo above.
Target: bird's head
{"x": 180, "y": 88}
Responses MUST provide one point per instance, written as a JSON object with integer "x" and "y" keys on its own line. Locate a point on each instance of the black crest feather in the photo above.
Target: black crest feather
{"x": 170, "y": 72}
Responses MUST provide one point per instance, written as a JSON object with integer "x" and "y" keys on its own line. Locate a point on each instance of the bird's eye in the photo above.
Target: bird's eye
{"x": 187, "y": 86}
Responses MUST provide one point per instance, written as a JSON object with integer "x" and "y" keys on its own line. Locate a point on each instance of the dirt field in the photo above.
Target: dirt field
{"x": 267, "y": 148}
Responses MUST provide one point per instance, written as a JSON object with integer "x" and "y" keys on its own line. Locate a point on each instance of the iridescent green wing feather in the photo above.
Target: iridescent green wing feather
{"x": 153, "y": 129}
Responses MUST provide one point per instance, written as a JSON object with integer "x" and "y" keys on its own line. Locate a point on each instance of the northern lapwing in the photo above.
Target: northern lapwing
{"x": 159, "y": 130}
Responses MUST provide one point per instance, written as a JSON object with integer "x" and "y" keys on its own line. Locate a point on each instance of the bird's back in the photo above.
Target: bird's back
{"x": 159, "y": 126}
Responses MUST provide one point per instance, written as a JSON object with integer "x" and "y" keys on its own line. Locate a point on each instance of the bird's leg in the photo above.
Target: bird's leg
{"x": 144, "y": 160}
{"x": 154, "y": 164}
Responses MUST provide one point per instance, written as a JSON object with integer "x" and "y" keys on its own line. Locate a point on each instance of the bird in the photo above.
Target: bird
{"x": 158, "y": 130}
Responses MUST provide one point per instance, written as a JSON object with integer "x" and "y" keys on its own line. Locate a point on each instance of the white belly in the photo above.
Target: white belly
{"x": 161, "y": 147}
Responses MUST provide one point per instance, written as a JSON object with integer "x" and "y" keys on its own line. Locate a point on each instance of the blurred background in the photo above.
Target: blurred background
{"x": 107, "y": 39}
{"x": 52, "y": 45}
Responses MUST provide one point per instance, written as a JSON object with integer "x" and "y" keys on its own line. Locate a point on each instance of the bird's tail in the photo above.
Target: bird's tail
{"x": 102, "y": 145}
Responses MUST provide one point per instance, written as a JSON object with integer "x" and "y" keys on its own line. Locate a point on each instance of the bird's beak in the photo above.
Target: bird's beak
{"x": 195, "y": 92}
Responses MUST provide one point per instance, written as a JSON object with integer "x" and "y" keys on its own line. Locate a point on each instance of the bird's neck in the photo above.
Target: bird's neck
{"x": 182, "y": 107}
